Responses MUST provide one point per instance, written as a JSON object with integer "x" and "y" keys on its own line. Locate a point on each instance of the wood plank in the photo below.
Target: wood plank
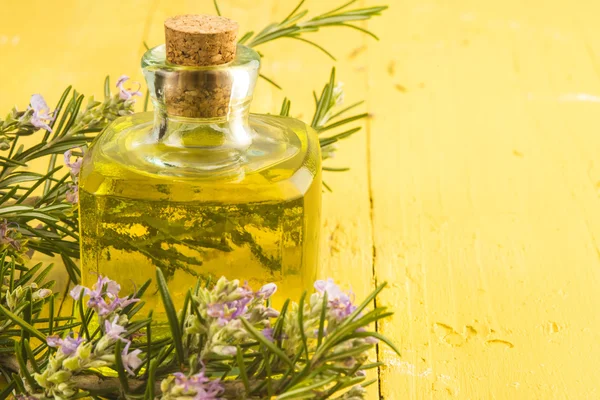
{"x": 486, "y": 209}
{"x": 90, "y": 40}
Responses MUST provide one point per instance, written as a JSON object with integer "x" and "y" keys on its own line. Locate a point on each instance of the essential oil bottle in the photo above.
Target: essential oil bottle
{"x": 201, "y": 187}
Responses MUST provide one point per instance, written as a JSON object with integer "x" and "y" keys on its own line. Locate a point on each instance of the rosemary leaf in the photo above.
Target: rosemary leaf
{"x": 171, "y": 315}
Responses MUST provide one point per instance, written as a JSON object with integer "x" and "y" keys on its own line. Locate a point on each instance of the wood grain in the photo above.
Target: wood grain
{"x": 476, "y": 183}
{"x": 485, "y": 198}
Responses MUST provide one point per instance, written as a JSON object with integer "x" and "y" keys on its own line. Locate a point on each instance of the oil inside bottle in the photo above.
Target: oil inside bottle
{"x": 148, "y": 203}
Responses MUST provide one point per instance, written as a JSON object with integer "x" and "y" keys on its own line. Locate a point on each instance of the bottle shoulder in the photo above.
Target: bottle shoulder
{"x": 129, "y": 160}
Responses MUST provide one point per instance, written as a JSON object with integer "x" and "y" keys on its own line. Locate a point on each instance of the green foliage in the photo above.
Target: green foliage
{"x": 294, "y": 26}
{"x": 303, "y": 351}
{"x": 226, "y": 339}
{"x": 36, "y": 204}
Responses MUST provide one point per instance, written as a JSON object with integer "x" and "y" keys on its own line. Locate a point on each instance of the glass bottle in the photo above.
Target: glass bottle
{"x": 201, "y": 187}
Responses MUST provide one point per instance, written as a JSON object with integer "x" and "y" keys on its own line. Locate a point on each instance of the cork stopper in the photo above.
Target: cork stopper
{"x": 200, "y": 40}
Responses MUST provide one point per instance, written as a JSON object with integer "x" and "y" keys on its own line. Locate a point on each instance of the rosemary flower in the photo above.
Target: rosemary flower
{"x": 267, "y": 290}
{"x": 339, "y": 303}
{"x": 131, "y": 361}
{"x": 113, "y": 330}
{"x": 41, "y": 294}
{"x": 41, "y": 112}
{"x": 197, "y": 387}
{"x": 102, "y": 290}
{"x": 226, "y": 312}
{"x": 72, "y": 193}
{"x": 74, "y": 166}
{"x": 126, "y": 94}
{"x": 268, "y": 334}
{"x": 67, "y": 346}
{"x": 233, "y": 306}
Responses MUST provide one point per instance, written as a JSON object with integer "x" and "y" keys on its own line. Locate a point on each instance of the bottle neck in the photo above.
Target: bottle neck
{"x": 202, "y": 107}
{"x": 231, "y": 131}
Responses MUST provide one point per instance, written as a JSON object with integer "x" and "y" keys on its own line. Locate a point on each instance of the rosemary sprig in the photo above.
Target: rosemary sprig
{"x": 330, "y": 116}
{"x": 226, "y": 340}
{"x": 40, "y": 216}
{"x": 294, "y": 25}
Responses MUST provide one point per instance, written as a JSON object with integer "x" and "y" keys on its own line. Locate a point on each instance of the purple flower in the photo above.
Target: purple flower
{"x": 233, "y": 309}
{"x": 267, "y": 290}
{"x": 239, "y": 306}
{"x": 126, "y": 94}
{"x": 200, "y": 386}
{"x": 103, "y": 308}
{"x": 339, "y": 302}
{"x": 41, "y": 112}
{"x": 181, "y": 380}
{"x": 53, "y": 341}
{"x": 68, "y": 345}
{"x": 114, "y": 330}
{"x": 131, "y": 361}
{"x": 122, "y": 302}
{"x": 74, "y": 166}
{"x": 268, "y": 334}
{"x": 75, "y": 293}
{"x": 72, "y": 194}
{"x": 103, "y": 287}
{"x": 217, "y": 310}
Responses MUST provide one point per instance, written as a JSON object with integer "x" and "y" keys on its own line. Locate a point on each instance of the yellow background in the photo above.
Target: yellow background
{"x": 474, "y": 188}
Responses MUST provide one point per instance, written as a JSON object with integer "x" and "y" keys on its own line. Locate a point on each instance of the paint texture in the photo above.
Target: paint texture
{"x": 474, "y": 188}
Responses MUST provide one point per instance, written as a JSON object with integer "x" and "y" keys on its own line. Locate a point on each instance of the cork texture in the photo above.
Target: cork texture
{"x": 200, "y": 40}
{"x": 197, "y": 94}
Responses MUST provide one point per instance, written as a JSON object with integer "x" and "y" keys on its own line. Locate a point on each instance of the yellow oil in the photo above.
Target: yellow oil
{"x": 256, "y": 219}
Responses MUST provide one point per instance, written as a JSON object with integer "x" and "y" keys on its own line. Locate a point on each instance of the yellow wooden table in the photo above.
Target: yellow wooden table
{"x": 474, "y": 189}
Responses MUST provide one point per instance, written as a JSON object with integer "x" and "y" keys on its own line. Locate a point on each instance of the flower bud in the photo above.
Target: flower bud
{"x": 271, "y": 313}
{"x": 66, "y": 390}
{"x": 60, "y": 377}
{"x": 71, "y": 363}
{"x": 371, "y": 340}
{"x": 41, "y": 294}
{"x": 10, "y": 300}
{"x": 164, "y": 385}
{"x": 41, "y": 379}
{"x": 225, "y": 350}
{"x": 267, "y": 290}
